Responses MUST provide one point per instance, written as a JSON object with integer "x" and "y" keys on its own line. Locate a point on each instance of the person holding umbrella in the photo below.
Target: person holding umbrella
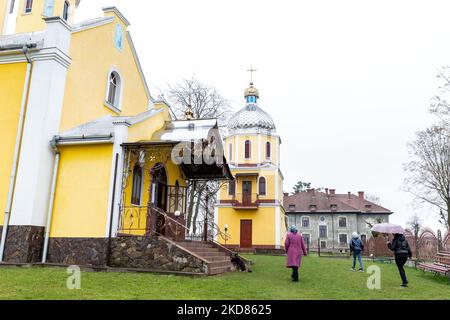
{"x": 399, "y": 246}
{"x": 402, "y": 252}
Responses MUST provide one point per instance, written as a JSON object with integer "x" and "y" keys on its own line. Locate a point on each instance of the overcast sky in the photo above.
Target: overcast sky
{"x": 347, "y": 82}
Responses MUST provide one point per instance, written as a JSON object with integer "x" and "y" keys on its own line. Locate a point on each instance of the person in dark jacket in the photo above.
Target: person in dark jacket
{"x": 402, "y": 252}
{"x": 356, "y": 247}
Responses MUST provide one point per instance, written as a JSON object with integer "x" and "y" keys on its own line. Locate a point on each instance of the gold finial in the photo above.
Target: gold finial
{"x": 189, "y": 113}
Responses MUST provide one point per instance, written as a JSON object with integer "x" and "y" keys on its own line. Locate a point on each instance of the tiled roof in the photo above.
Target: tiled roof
{"x": 313, "y": 201}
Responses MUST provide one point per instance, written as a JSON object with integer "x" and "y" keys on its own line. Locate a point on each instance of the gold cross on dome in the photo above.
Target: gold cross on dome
{"x": 251, "y": 70}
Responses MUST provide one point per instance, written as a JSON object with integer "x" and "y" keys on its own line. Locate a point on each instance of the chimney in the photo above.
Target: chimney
{"x": 349, "y": 195}
{"x": 332, "y": 192}
{"x": 286, "y": 194}
{"x": 326, "y": 191}
{"x": 361, "y": 195}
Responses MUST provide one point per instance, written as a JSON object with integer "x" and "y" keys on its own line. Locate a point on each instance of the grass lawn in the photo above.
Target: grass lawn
{"x": 321, "y": 278}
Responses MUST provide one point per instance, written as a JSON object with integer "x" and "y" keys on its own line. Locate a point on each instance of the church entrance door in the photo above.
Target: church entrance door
{"x": 246, "y": 234}
{"x": 159, "y": 197}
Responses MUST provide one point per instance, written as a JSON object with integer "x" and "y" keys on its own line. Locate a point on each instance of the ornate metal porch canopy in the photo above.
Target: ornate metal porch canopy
{"x": 192, "y": 170}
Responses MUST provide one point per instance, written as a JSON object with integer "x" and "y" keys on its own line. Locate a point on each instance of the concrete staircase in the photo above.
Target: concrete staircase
{"x": 218, "y": 260}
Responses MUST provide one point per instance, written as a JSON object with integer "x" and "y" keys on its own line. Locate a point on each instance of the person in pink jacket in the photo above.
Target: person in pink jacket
{"x": 295, "y": 248}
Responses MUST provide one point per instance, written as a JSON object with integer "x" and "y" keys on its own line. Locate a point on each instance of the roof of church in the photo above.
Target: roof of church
{"x": 249, "y": 117}
{"x": 185, "y": 130}
{"x": 14, "y": 41}
{"x": 104, "y": 126}
{"x": 312, "y": 201}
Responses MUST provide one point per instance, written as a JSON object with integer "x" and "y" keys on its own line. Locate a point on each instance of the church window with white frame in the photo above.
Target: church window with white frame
{"x": 114, "y": 90}
{"x": 136, "y": 192}
{"x": 268, "y": 150}
{"x": 262, "y": 186}
{"x": 66, "y": 10}
{"x": 248, "y": 149}
{"x": 28, "y": 6}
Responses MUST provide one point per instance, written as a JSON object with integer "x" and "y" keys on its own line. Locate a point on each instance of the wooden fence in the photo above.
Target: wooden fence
{"x": 424, "y": 247}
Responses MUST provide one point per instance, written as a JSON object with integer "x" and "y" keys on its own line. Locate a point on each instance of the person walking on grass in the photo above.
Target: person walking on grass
{"x": 402, "y": 252}
{"x": 356, "y": 247}
{"x": 295, "y": 248}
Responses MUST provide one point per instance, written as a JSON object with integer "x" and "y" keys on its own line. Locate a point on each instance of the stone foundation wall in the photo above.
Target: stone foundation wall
{"x": 24, "y": 244}
{"x": 126, "y": 252}
{"x": 77, "y": 251}
{"x": 153, "y": 253}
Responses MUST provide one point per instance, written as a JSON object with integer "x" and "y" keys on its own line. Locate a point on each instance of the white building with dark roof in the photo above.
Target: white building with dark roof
{"x": 328, "y": 219}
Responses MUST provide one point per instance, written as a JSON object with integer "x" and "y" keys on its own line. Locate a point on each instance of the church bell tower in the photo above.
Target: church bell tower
{"x": 250, "y": 207}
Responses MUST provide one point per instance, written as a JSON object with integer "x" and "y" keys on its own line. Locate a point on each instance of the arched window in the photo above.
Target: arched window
{"x": 136, "y": 190}
{"x": 231, "y": 188}
{"x": 11, "y": 6}
{"x": 262, "y": 186}
{"x": 28, "y": 6}
{"x": 114, "y": 89}
{"x": 268, "y": 150}
{"x": 248, "y": 149}
{"x": 66, "y": 10}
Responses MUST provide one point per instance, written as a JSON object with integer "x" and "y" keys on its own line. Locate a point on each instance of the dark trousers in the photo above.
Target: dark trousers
{"x": 400, "y": 260}
{"x": 294, "y": 273}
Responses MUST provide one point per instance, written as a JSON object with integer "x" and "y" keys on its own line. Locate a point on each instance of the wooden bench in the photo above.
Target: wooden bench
{"x": 440, "y": 266}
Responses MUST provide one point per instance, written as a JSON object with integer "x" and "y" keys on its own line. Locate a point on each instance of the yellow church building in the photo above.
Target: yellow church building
{"x": 250, "y": 208}
{"x": 87, "y": 170}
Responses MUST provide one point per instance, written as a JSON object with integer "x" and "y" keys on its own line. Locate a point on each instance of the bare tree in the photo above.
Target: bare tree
{"x": 373, "y": 198}
{"x": 415, "y": 224}
{"x": 206, "y": 103}
{"x": 440, "y": 105}
{"x": 304, "y": 186}
{"x": 443, "y": 219}
{"x": 205, "y": 100}
{"x": 370, "y": 224}
{"x": 429, "y": 168}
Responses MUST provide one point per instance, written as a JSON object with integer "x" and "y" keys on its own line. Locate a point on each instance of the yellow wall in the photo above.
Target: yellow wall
{"x": 270, "y": 184}
{"x": 263, "y": 232}
{"x": 28, "y": 22}
{"x": 256, "y": 155}
{"x": 12, "y": 79}
{"x": 93, "y": 56}
{"x": 144, "y": 131}
{"x": 81, "y": 200}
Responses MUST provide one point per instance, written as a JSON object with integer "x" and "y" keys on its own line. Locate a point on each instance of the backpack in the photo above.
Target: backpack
{"x": 356, "y": 245}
